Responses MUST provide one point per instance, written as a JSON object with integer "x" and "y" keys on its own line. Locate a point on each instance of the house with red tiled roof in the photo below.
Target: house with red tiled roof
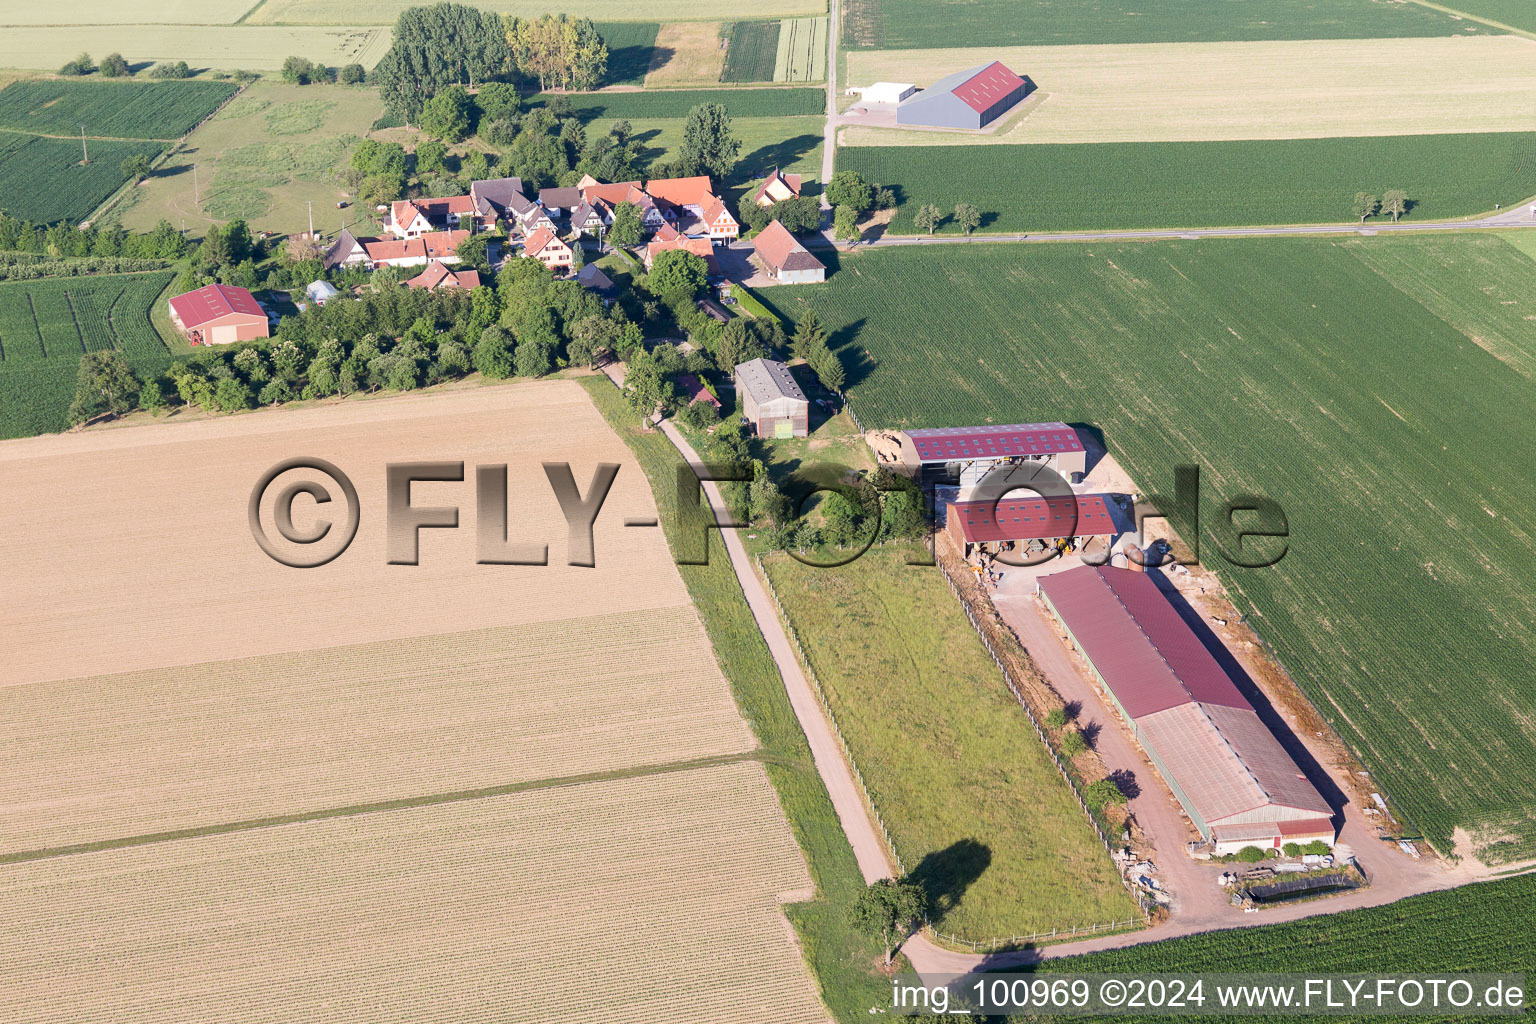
{"x": 966, "y": 99}
{"x": 415, "y": 252}
{"x": 691, "y": 205}
{"x": 412, "y": 218}
{"x": 782, "y": 255}
{"x": 776, "y": 188}
{"x": 546, "y": 247}
{"x": 218, "y": 314}
{"x": 437, "y": 275}
{"x": 701, "y": 247}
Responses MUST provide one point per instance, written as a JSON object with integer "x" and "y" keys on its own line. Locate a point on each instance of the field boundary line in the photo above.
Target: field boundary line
{"x": 36, "y": 324}
{"x": 396, "y": 804}
{"x": 73, "y": 138}
{"x": 1471, "y": 17}
{"x": 74, "y": 314}
{"x": 246, "y": 16}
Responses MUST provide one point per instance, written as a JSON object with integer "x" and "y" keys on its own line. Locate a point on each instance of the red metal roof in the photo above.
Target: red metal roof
{"x": 957, "y": 444}
{"x": 1033, "y": 518}
{"x": 987, "y": 86}
{"x": 212, "y": 301}
{"x": 1146, "y": 653}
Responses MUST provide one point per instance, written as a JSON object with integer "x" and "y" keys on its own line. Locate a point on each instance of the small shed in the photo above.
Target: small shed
{"x": 321, "y": 292}
{"x": 771, "y": 401}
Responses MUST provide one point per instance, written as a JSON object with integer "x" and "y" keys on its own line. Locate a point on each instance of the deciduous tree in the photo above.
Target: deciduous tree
{"x": 708, "y": 143}
{"x": 928, "y": 218}
{"x": 967, "y": 217}
{"x": 1395, "y": 202}
{"x": 889, "y": 908}
{"x": 1365, "y": 205}
{"x": 104, "y": 386}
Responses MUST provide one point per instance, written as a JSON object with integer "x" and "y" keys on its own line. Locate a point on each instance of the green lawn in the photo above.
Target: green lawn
{"x": 974, "y": 805}
{"x": 841, "y": 958}
{"x": 1477, "y": 928}
{"x": 1378, "y": 389}
{"x": 903, "y": 24}
{"x": 792, "y": 144}
{"x": 1519, "y": 14}
{"x": 1104, "y": 186}
{"x": 794, "y": 101}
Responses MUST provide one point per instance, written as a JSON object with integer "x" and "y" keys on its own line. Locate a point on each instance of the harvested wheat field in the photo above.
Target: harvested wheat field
{"x": 366, "y": 791}
{"x": 641, "y": 900}
{"x": 1176, "y": 92}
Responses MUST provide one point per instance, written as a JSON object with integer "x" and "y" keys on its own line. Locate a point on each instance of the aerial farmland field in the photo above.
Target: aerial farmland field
{"x": 898, "y": 24}
{"x": 802, "y": 52}
{"x": 120, "y": 110}
{"x": 226, "y": 47}
{"x": 384, "y": 12}
{"x": 342, "y": 746}
{"x": 45, "y": 326}
{"x": 1474, "y": 928}
{"x": 1402, "y": 608}
{"x": 615, "y": 900}
{"x": 753, "y": 51}
{"x": 1200, "y": 184}
{"x": 1175, "y": 92}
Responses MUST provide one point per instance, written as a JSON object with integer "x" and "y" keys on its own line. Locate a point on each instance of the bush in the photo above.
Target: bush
{"x": 114, "y": 66}
{"x": 1317, "y": 847}
{"x": 1102, "y": 794}
{"x": 353, "y": 74}
{"x": 1250, "y": 855}
{"x": 169, "y": 70}
{"x": 81, "y": 65}
{"x": 1291, "y": 850}
{"x": 1072, "y": 743}
{"x": 700, "y": 415}
{"x": 1057, "y": 719}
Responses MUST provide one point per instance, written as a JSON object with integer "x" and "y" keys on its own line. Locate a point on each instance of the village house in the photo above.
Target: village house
{"x": 218, "y": 314}
{"x": 592, "y": 217}
{"x": 690, "y": 206}
{"x": 437, "y": 275}
{"x": 776, "y": 188}
{"x": 346, "y": 251}
{"x": 782, "y": 255}
{"x": 493, "y": 199}
{"x": 414, "y": 252}
{"x": 670, "y": 238}
{"x": 560, "y": 202}
{"x": 412, "y": 218}
{"x": 592, "y": 278}
{"x": 546, "y": 247}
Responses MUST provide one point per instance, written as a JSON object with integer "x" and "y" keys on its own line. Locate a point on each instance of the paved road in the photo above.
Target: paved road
{"x": 829, "y": 131}
{"x": 1514, "y": 216}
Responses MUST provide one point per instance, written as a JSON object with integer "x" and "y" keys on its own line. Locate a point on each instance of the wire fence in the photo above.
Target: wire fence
{"x": 975, "y": 945}
{"x": 1142, "y": 901}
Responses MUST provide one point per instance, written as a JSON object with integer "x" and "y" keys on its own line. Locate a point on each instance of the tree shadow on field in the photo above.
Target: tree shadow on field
{"x": 629, "y": 64}
{"x": 756, "y": 164}
{"x": 946, "y": 874}
{"x": 858, "y": 364}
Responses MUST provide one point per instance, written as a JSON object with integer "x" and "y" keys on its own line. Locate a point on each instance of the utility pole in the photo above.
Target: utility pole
{"x": 86, "y": 153}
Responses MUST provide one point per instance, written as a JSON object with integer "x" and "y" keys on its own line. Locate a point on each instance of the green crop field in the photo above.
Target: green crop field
{"x": 802, "y": 52}
{"x": 1476, "y": 928}
{"x": 118, "y": 110}
{"x": 384, "y": 12}
{"x": 899, "y": 24}
{"x": 1519, "y": 14}
{"x": 1360, "y": 383}
{"x": 43, "y": 179}
{"x": 1095, "y": 186}
{"x": 46, "y": 325}
{"x": 937, "y": 750}
{"x": 753, "y": 49}
{"x": 666, "y": 103}
{"x": 631, "y": 46}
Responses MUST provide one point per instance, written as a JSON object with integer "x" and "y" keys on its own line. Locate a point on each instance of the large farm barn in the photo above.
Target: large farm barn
{"x": 1232, "y": 777}
{"x": 966, "y": 99}
{"x": 978, "y": 451}
{"x": 1032, "y": 522}
{"x": 218, "y": 314}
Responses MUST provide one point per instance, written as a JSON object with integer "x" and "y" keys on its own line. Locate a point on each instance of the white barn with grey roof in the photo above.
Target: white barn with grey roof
{"x": 771, "y": 400}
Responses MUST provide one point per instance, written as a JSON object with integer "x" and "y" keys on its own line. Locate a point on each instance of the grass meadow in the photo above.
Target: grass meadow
{"x": 46, "y": 325}
{"x": 789, "y": 143}
{"x": 1482, "y": 927}
{"x": 840, "y": 956}
{"x": 263, "y": 157}
{"x": 1363, "y": 384}
{"x": 899, "y": 24}
{"x": 1105, "y": 186}
{"x": 1514, "y": 13}
{"x": 202, "y": 45}
{"x": 783, "y": 102}
{"x": 975, "y": 807}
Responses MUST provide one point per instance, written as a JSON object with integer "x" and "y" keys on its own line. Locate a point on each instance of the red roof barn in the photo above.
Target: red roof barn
{"x": 218, "y": 314}
{"x": 966, "y": 99}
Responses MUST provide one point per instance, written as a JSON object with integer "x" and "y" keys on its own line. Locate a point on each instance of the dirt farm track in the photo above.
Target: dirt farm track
{"x": 366, "y": 791}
